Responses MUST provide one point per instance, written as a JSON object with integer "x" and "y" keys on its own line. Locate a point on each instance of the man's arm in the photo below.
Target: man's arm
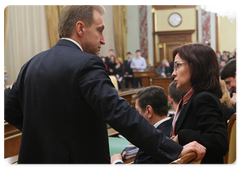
{"x": 100, "y": 93}
{"x": 192, "y": 146}
{"x": 144, "y": 64}
{"x": 13, "y": 111}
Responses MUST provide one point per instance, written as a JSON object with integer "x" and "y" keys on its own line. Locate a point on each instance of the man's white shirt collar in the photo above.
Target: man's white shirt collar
{"x": 69, "y": 39}
{"x": 161, "y": 121}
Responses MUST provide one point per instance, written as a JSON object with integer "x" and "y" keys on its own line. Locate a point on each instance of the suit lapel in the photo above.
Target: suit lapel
{"x": 183, "y": 113}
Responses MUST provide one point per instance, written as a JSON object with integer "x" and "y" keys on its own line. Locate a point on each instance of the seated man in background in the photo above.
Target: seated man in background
{"x": 228, "y": 74}
{"x": 164, "y": 70}
{"x": 174, "y": 96}
{"x": 152, "y": 103}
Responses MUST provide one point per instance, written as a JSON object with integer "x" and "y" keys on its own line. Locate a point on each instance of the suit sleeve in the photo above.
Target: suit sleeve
{"x": 101, "y": 95}
{"x": 13, "y": 112}
{"x": 211, "y": 125}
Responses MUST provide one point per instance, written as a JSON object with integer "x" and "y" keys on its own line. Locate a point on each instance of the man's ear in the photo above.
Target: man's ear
{"x": 80, "y": 27}
{"x": 170, "y": 100}
{"x": 149, "y": 111}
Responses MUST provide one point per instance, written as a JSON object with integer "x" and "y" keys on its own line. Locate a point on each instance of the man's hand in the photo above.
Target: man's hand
{"x": 137, "y": 68}
{"x": 116, "y": 157}
{"x": 175, "y": 138}
{"x": 196, "y": 147}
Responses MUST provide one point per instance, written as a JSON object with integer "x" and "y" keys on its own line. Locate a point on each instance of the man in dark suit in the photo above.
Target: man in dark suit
{"x": 152, "y": 103}
{"x": 128, "y": 76}
{"x": 164, "y": 70}
{"x": 107, "y": 58}
{"x": 60, "y": 93}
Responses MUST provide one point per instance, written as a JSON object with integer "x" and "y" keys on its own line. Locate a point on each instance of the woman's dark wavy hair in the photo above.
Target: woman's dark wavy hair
{"x": 203, "y": 65}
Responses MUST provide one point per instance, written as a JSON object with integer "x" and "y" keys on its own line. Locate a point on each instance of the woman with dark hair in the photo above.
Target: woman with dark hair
{"x": 111, "y": 64}
{"x": 199, "y": 116}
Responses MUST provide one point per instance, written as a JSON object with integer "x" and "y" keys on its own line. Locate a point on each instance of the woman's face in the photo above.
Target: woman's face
{"x": 112, "y": 59}
{"x": 182, "y": 74}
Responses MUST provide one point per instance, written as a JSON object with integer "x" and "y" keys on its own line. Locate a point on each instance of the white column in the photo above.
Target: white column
{"x": 200, "y": 24}
{"x": 150, "y": 34}
{"x": 213, "y": 30}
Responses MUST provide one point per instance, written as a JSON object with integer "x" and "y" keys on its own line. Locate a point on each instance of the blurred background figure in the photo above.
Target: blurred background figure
{"x": 228, "y": 74}
{"x": 138, "y": 64}
{"x": 111, "y": 65}
{"x": 226, "y": 100}
{"x": 164, "y": 70}
{"x": 110, "y": 53}
{"x": 128, "y": 76}
{"x": 119, "y": 72}
{"x": 174, "y": 96}
{"x": 104, "y": 61}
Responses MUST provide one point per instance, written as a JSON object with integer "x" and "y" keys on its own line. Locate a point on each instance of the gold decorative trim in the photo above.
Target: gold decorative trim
{"x": 153, "y": 10}
{"x": 160, "y": 45}
{"x": 164, "y": 50}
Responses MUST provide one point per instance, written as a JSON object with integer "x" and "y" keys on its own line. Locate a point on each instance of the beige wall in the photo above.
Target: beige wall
{"x": 227, "y": 34}
{"x": 108, "y": 32}
{"x": 189, "y": 20}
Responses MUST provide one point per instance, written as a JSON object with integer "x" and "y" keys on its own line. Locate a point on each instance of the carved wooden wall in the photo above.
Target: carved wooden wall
{"x": 167, "y": 37}
{"x": 169, "y": 40}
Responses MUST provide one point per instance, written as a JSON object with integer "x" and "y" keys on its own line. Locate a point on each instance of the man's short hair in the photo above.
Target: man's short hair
{"x": 229, "y": 69}
{"x": 71, "y": 14}
{"x": 138, "y": 51}
{"x": 155, "y": 97}
{"x": 175, "y": 93}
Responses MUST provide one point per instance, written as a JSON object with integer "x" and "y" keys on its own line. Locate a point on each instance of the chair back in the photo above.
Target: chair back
{"x": 114, "y": 81}
{"x": 187, "y": 159}
{"x": 230, "y": 157}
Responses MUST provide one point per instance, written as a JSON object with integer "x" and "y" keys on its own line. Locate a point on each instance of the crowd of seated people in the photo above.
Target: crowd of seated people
{"x": 225, "y": 57}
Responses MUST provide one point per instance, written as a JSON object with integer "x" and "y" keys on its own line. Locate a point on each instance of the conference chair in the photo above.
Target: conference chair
{"x": 114, "y": 81}
{"x": 230, "y": 157}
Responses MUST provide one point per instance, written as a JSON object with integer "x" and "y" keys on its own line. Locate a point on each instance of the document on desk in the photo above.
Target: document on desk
{"x": 117, "y": 145}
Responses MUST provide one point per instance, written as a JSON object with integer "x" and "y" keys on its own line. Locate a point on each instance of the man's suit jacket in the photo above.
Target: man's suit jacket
{"x": 168, "y": 71}
{"x": 142, "y": 157}
{"x": 59, "y": 95}
{"x": 127, "y": 67}
{"x": 107, "y": 60}
{"x": 202, "y": 119}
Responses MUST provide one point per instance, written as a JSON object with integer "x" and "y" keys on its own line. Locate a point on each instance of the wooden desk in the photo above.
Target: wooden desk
{"x": 151, "y": 78}
{"x": 160, "y": 81}
{"x": 128, "y": 95}
{"x": 112, "y": 132}
{"x": 12, "y": 140}
{"x": 145, "y": 76}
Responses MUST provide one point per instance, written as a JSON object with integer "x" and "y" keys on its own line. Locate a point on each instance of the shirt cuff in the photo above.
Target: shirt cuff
{"x": 117, "y": 161}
